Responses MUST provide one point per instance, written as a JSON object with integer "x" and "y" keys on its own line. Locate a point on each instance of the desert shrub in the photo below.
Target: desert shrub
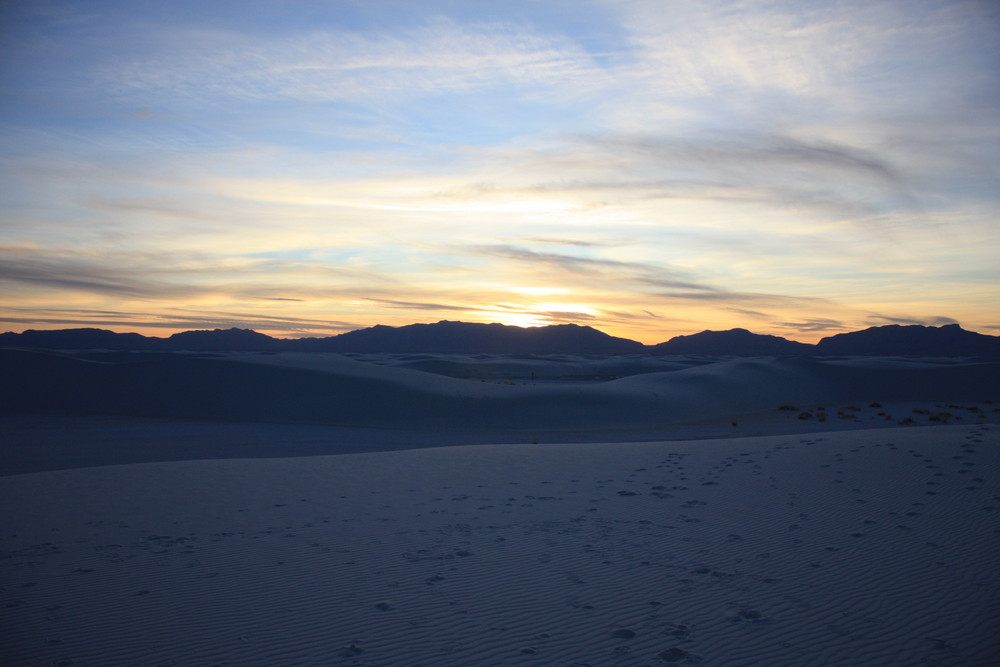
{"x": 805, "y": 415}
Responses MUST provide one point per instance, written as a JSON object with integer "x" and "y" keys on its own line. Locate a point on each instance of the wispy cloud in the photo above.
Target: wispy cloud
{"x": 338, "y": 66}
{"x": 78, "y": 274}
{"x": 413, "y": 305}
{"x": 590, "y": 267}
{"x": 173, "y": 320}
{"x": 654, "y": 282}
{"x": 175, "y": 276}
{"x": 819, "y": 325}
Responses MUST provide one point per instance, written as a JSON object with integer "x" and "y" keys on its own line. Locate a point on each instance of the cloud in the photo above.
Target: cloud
{"x": 569, "y": 242}
{"x": 753, "y": 314}
{"x": 743, "y": 150}
{"x": 178, "y": 276}
{"x": 816, "y": 325}
{"x": 738, "y": 170}
{"x": 171, "y": 321}
{"x": 648, "y": 280}
{"x": 353, "y": 66}
{"x": 737, "y": 166}
{"x": 77, "y": 274}
{"x": 589, "y": 267}
{"x": 729, "y": 296}
{"x": 413, "y": 305}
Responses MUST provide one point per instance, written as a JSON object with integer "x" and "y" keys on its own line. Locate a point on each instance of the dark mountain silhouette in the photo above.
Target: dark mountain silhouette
{"x": 101, "y": 339}
{"x": 737, "y": 342}
{"x": 472, "y": 338}
{"x": 949, "y": 340}
{"x": 220, "y": 340}
{"x": 465, "y": 337}
{"x": 441, "y": 337}
{"x": 77, "y": 339}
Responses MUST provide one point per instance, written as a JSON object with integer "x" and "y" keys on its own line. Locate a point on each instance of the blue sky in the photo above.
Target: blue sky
{"x": 648, "y": 168}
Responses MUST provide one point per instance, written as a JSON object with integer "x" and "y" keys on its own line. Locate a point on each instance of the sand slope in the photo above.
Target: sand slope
{"x": 855, "y": 548}
{"x": 332, "y": 389}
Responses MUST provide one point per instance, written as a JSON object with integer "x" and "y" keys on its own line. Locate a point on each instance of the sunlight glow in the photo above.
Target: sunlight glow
{"x": 519, "y": 319}
{"x": 540, "y": 291}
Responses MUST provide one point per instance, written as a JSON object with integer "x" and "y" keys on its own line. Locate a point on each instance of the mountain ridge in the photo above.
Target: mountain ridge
{"x": 452, "y": 337}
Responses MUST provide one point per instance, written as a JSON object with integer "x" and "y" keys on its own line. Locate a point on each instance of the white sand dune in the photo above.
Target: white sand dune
{"x": 875, "y": 547}
{"x": 253, "y": 405}
{"x": 336, "y": 390}
{"x": 827, "y": 534}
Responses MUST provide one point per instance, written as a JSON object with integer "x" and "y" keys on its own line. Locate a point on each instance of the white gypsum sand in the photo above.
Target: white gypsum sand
{"x": 855, "y": 541}
{"x": 873, "y": 547}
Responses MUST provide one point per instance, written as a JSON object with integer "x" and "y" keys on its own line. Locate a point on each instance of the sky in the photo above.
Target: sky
{"x": 648, "y": 168}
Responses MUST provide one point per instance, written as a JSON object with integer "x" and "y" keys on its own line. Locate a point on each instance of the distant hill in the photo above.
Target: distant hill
{"x": 76, "y": 339}
{"x": 442, "y": 337}
{"x": 221, "y": 340}
{"x": 736, "y": 342}
{"x": 472, "y": 338}
{"x": 949, "y": 340}
{"x": 447, "y": 337}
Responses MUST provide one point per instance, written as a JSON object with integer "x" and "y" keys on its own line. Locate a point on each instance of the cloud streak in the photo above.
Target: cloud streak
{"x": 650, "y": 279}
{"x": 337, "y": 66}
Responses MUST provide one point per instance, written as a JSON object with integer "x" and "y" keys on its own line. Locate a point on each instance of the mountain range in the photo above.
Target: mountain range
{"x": 448, "y": 337}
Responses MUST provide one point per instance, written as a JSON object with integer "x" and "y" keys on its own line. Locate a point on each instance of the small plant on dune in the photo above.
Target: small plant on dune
{"x": 875, "y": 404}
{"x": 805, "y": 415}
{"x": 787, "y": 408}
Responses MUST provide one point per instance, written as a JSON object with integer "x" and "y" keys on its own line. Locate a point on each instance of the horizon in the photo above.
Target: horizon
{"x": 650, "y": 169}
{"x": 648, "y": 344}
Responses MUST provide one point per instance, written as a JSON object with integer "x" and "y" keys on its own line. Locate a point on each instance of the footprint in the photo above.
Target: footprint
{"x": 749, "y": 616}
{"x": 675, "y": 654}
